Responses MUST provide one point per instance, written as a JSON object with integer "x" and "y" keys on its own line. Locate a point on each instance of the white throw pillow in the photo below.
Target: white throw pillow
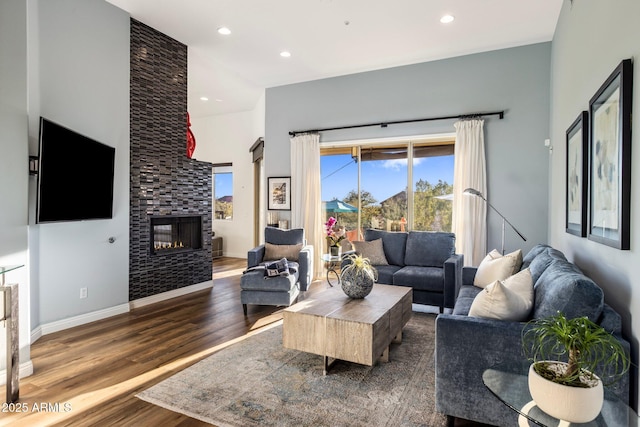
{"x": 511, "y": 299}
{"x": 496, "y": 266}
{"x": 522, "y": 284}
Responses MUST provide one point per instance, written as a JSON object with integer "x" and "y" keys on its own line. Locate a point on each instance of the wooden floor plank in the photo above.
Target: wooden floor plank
{"x": 98, "y": 368}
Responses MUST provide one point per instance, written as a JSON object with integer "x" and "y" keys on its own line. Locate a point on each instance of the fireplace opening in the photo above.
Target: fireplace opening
{"x": 172, "y": 234}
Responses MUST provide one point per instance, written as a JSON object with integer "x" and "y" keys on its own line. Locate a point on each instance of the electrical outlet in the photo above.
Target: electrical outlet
{"x": 83, "y": 292}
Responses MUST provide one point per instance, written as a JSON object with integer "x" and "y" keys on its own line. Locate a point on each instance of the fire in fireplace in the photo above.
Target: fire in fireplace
{"x": 170, "y": 234}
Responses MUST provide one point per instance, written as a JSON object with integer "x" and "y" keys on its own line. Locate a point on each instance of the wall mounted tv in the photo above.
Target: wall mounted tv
{"x": 75, "y": 176}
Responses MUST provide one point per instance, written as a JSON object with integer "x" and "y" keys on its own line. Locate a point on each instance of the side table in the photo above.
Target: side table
{"x": 331, "y": 264}
{"x": 511, "y": 386}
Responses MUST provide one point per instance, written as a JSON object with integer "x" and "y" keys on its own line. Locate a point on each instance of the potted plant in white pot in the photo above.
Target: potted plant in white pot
{"x": 357, "y": 276}
{"x": 571, "y": 360}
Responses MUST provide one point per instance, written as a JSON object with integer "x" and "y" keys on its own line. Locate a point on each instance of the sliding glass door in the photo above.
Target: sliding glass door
{"x": 398, "y": 186}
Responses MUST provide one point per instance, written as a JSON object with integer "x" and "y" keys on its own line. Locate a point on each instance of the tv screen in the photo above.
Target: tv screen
{"x": 75, "y": 176}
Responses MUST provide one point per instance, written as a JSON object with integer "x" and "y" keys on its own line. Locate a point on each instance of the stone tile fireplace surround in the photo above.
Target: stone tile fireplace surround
{"x": 166, "y": 187}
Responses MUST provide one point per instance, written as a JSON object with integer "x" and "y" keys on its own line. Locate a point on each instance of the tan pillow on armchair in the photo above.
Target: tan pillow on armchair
{"x": 276, "y": 252}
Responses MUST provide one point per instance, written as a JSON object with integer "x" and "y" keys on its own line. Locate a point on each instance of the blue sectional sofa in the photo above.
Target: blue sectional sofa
{"x": 423, "y": 260}
{"x": 466, "y": 346}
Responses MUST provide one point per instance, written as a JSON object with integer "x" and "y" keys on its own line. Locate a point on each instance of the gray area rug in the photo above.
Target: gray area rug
{"x": 257, "y": 382}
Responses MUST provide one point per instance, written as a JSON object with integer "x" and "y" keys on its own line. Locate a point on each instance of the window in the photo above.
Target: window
{"x": 223, "y": 191}
{"x": 432, "y": 187}
{"x": 392, "y": 186}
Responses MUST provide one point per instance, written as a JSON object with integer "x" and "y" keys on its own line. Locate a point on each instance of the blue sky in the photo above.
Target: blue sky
{"x": 382, "y": 179}
{"x": 223, "y": 185}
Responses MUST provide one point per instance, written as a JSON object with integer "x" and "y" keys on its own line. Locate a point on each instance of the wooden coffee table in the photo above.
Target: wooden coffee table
{"x": 335, "y": 326}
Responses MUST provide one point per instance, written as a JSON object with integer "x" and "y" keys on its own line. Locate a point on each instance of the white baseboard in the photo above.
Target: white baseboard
{"x": 25, "y": 370}
{"x": 170, "y": 294}
{"x": 82, "y": 319}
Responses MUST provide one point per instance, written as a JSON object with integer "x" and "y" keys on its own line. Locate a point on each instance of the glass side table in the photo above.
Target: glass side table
{"x": 510, "y": 385}
{"x": 332, "y": 262}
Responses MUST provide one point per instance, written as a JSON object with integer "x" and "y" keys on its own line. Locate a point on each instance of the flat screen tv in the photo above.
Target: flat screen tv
{"x": 75, "y": 176}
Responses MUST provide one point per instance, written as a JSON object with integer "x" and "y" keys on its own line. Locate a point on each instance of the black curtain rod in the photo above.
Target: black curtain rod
{"x": 385, "y": 124}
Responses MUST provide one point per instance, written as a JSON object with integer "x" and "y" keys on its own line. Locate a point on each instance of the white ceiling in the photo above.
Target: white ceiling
{"x": 328, "y": 38}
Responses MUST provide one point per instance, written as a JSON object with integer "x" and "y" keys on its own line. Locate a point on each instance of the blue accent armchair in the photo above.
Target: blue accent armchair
{"x": 258, "y": 289}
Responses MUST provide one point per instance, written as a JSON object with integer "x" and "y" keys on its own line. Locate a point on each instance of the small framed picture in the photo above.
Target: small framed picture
{"x": 577, "y": 175}
{"x": 610, "y": 159}
{"x": 279, "y": 193}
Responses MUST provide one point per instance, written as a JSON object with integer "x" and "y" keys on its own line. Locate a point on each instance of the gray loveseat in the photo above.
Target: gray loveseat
{"x": 423, "y": 260}
{"x": 467, "y": 346}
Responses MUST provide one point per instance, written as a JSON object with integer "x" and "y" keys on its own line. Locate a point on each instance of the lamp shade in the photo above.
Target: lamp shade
{"x": 472, "y": 191}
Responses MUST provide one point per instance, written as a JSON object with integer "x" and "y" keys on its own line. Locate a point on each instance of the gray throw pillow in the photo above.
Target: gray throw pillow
{"x": 372, "y": 250}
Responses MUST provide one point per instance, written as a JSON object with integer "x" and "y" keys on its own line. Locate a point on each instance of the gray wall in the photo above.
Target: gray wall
{"x": 590, "y": 41}
{"x": 81, "y": 76}
{"x": 515, "y": 80}
{"x": 13, "y": 160}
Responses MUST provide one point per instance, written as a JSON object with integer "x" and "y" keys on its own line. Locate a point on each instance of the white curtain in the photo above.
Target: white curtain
{"x": 306, "y": 206}
{"x": 469, "y": 171}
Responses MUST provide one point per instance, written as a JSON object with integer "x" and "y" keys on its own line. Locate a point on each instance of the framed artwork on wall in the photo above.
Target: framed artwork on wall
{"x": 610, "y": 159}
{"x": 279, "y": 193}
{"x": 577, "y": 175}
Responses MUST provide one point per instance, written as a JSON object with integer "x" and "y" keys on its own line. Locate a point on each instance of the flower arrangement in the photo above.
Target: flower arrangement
{"x": 335, "y": 233}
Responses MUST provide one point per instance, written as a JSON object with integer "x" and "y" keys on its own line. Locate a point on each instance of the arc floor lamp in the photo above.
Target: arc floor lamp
{"x": 474, "y": 192}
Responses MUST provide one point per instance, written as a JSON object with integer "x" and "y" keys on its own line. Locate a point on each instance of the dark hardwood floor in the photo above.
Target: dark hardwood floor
{"x": 89, "y": 375}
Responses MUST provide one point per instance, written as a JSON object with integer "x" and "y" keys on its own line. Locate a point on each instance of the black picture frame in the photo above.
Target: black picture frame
{"x": 610, "y": 159}
{"x": 577, "y": 170}
{"x": 279, "y": 193}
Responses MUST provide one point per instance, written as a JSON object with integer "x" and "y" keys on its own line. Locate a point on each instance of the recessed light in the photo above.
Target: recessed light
{"x": 204, "y": 98}
{"x": 285, "y": 54}
{"x": 224, "y": 31}
{"x": 447, "y": 19}
{"x": 218, "y": 100}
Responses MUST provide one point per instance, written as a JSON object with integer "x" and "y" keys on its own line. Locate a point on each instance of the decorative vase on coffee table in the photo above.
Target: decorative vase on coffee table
{"x": 356, "y": 288}
{"x": 357, "y": 277}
